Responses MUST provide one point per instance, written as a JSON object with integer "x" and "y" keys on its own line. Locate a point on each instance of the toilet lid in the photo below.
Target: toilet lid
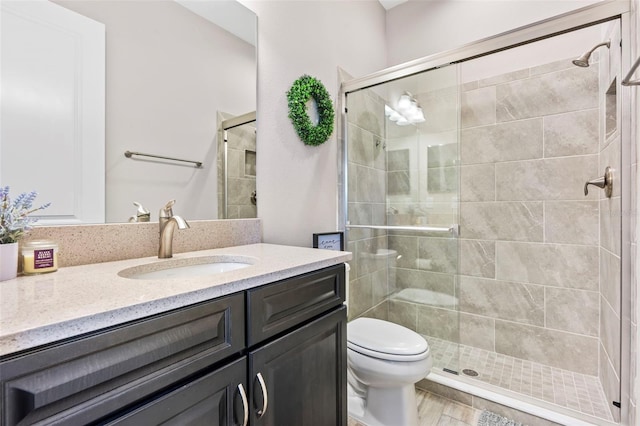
{"x": 385, "y": 337}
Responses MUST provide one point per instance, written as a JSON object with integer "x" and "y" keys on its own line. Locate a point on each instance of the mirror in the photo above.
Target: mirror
{"x": 237, "y": 195}
{"x": 171, "y": 68}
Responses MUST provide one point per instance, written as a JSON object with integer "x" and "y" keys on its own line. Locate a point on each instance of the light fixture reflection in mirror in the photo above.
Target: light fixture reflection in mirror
{"x": 407, "y": 111}
{"x": 168, "y": 72}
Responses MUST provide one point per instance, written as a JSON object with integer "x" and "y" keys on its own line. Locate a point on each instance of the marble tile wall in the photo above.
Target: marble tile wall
{"x": 529, "y": 254}
{"x": 241, "y": 172}
{"x": 529, "y": 248}
{"x": 433, "y": 157}
{"x": 538, "y": 262}
{"x": 370, "y": 282}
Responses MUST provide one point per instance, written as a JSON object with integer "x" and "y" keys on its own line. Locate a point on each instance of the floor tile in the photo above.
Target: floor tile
{"x": 572, "y": 390}
{"x": 434, "y": 410}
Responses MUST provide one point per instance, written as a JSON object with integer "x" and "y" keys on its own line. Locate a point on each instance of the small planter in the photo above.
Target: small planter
{"x": 8, "y": 261}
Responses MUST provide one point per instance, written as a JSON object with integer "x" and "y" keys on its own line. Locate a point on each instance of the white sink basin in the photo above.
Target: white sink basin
{"x": 187, "y": 268}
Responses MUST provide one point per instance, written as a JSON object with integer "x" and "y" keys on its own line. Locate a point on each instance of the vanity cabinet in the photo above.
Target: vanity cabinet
{"x": 299, "y": 378}
{"x": 89, "y": 378}
{"x": 272, "y": 355}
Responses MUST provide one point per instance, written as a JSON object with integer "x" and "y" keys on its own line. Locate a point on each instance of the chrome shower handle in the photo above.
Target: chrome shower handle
{"x": 605, "y": 182}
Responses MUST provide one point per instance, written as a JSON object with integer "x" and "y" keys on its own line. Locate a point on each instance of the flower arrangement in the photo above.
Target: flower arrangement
{"x": 14, "y": 215}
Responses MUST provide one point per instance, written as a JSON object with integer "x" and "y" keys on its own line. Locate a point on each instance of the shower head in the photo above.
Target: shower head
{"x": 583, "y": 60}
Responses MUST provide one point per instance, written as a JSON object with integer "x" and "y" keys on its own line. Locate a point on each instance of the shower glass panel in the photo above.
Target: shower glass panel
{"x": 402, "y": 202}
{"x": 539, "y": 284}
{"x": 525, "y": 300}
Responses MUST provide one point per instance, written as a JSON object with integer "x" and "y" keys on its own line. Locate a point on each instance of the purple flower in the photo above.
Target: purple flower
{"x": 14, "y": 215}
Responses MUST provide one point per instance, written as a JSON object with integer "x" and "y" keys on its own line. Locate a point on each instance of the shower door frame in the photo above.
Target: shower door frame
{"x": 584, "y": 17}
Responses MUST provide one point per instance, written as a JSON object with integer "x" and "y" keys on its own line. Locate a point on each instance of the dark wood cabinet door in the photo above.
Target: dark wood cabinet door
{"x": 300, "y": 379}
{"x": 215, "y": 399}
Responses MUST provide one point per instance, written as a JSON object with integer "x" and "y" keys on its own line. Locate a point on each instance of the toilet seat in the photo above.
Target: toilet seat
{"x": 385, "y": 340}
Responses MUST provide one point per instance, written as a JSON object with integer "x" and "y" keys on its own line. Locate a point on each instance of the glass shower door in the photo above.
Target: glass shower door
{"x": 527, "y": 299}
{"x": 539, "y": 284}
{"x": 402, "y": 202}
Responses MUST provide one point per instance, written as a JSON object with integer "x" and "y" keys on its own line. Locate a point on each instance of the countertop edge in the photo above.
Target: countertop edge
{"x": 28, "y": 339}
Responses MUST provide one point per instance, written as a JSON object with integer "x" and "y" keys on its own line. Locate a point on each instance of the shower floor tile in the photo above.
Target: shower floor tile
{"x": 576, "y": 391}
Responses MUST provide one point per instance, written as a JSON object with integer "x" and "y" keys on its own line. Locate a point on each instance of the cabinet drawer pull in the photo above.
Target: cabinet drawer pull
{"x": 245, "y": 405}
{"x": 265, "y": 397}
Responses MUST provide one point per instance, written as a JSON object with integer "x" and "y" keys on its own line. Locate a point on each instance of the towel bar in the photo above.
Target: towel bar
{"x": 128, "y": 154}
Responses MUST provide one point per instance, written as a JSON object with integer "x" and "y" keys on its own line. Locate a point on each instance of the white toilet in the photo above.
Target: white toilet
{"x": 385, "y": 360}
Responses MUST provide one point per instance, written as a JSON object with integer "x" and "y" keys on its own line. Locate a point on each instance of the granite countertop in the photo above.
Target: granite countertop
{"x": 40, "y": 309}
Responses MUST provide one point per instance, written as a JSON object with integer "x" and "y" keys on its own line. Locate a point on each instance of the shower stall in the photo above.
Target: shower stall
{"x": 236, "y": 164}
{"x": 466, "y": 206}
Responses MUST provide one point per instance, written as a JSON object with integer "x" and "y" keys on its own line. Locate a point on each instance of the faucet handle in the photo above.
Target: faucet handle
{"x": 166, "y": 211}
{"x": 141, "y": 209}
{"x": 142, "y": 215}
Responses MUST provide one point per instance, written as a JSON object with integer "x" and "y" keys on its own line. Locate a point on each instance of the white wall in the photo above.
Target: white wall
{"x": 297, "y": 184}
{"x": 169, "y": 71}
{"x": 419, "y": 28}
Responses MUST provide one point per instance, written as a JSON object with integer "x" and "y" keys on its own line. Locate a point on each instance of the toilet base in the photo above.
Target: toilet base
{"x": 385, "y": 406}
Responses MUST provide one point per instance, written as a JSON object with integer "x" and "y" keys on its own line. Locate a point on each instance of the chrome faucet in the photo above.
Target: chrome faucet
{"x": 168, "y": 223}
{"x": 142, "y": 215}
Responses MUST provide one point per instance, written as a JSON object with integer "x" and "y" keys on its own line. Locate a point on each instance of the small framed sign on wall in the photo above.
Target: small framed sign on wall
{"x": 329, "y": 241}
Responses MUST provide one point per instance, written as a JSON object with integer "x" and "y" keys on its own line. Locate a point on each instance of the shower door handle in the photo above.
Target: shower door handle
{"x": 605, "y": 182}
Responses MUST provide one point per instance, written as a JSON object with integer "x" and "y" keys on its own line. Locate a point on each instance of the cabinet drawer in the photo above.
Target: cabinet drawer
{"x": 81, "y": 381}
{"x": 278, "y": 307}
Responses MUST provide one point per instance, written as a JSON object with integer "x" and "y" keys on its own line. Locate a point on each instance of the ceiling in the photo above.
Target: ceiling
{"x": 228, "y": 14}
{"x": 388, "y": 4}
{"x": 237, "y": 19}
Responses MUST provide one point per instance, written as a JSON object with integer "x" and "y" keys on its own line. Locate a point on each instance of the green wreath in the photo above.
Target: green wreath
{"x": 301, "y": 91}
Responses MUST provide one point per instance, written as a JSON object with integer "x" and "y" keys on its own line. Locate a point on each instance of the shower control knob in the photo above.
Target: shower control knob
{"x": 605, "y": 182}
